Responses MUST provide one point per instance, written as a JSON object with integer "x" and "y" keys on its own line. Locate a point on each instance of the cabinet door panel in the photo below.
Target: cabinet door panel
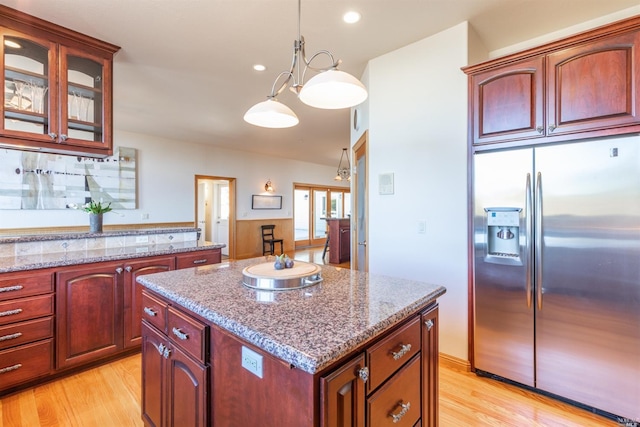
{"x": 88, "y": 313}
{"x": 594, "y": 86}
{"x": 133, "y": 294}
{"x": 85, "y": 99}
{"x": 153, "y": 376}
{"x": 187, "y": 394}
{"x": 430, "y": 352}
{"x": 343, "y": 396}
{"x": 29, "y": 74}
{"x": 508, "y": 102}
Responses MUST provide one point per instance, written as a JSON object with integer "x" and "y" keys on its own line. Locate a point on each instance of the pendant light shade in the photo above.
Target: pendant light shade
{"x": 271, "y": 114}
{"x": 333, "y": 89}
{"x": 330, "y": 89}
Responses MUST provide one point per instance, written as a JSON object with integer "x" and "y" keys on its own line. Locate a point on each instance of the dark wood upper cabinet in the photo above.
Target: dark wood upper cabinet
{"x": 594, "y": 86}
{"x": 509, "y": 102}
{"x": 584, "y": 86}
{"x": 57, "y": 88}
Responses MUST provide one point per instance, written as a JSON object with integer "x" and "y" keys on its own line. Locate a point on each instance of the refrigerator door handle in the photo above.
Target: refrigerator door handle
{"x": 538, "y": 239}
{"x": 529, "y": 229}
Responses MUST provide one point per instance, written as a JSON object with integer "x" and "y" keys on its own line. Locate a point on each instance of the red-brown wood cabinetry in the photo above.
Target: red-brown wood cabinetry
{"x": 89, "y": 313}
{"x": 175, "y": 386}
{"x": 133, "y": 294}
{"x": 584, "y": 86}
{"x": 58, "y": 87}
{"x": 339, "y": 240}
{"x": 26, "y": 327}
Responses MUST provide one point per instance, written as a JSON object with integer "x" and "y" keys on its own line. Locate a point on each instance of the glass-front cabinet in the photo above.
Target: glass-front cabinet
{"x": 29, "y": 66}
{"x": 57, "y": 89}
{"x": 83, "y": 94}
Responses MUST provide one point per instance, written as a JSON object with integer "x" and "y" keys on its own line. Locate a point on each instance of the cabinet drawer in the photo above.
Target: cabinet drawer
{"x": 25, "y": 332}
{"x": 387, "y": 356}
{"x": 187, "y": 333}
{"x": 26, "y": 362}
{"x": 400, "y": 397}
{"x": 154, "y": 311}
{"x": 196, "y": 259}
{"x": 22, "y": 285}
{"x": 25, "y": 308}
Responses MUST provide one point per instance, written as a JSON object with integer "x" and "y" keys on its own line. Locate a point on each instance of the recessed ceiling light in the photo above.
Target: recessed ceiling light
{"x": 259, "y": 67}
{"x": 11, "y": 43}
{"x": 351, "y": 17}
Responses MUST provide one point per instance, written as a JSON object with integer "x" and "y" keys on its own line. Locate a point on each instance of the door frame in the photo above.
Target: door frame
{"x": 360, "y": 149}
{"x": 232, "y": 207}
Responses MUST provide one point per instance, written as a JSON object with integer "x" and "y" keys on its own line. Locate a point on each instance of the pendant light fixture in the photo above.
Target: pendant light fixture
{"x": 329, "y": 89}
{"x": 344, "y": 172}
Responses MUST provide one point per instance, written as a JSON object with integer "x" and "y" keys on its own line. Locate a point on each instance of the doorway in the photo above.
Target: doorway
{"x": 215, "y": 211}
{"x": 311, "y": 205}
{"x": 359, "y": 243}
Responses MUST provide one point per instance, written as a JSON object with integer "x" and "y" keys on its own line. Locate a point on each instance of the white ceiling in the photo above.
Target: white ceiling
{"x": 185, "y": 68}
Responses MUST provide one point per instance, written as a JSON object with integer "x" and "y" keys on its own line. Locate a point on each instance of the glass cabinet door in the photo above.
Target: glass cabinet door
{"x": 29, "y": 71}
{"x": 83, "y": 99}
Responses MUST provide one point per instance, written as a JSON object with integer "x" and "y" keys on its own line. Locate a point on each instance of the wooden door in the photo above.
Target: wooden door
{"x": 88, "y": 313}
{"x": 133, "y": 294}
{"x": 508, "y": 102}
{"x": 594, "y": 86}
{"x": 343, "y": 396}
{"x": 359, "y": 254}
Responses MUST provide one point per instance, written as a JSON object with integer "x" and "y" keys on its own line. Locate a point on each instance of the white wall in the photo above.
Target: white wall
{"x": 166, "y": 183}
{"x": 417, "y": 117}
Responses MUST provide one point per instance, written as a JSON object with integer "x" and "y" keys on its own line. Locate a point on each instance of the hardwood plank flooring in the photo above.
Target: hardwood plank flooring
{"x": 109, "y": 396}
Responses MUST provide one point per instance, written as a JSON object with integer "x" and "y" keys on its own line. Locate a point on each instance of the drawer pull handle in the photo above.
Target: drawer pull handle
{"x": 200, "y": 261}
{"x": 151, "y": 312}
{"x": 363, "y": 374}
{"x": 177, "y": 332}
{"x": 11, "y": 288}
{"x": 11, "y": 336}
{"x": 10, "y": 312}
{"x": 10, "y": 368}
{"x": 404, "y": 408}
{"x": 404, "y": 349}
{"x": 429, "y": 324}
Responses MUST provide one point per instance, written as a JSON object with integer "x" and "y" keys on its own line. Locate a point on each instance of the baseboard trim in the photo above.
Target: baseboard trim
{"x": 454, "y": 362}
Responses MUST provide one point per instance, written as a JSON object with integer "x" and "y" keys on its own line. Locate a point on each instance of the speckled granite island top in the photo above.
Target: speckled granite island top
{"x": 309, "y": 328}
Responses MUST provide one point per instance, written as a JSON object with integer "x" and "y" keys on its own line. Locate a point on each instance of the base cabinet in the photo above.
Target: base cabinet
{"x": 174, "y": 382}
{"x": 339, "y": 240}
{"x": 89, "y": 313}
{"x": 133, "y": 294}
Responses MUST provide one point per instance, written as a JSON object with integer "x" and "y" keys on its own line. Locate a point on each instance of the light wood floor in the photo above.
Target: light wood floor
{"x": 109, "y": 396}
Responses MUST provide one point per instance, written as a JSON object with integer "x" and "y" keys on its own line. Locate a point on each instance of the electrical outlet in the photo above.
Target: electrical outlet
{"x": 252, "y": 361}
{"x": 142, "y": 239}
{"x": 422, "y": 227}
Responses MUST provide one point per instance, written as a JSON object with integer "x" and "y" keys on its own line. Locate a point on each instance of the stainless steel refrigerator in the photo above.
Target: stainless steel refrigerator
{"x": 557, "y": 270}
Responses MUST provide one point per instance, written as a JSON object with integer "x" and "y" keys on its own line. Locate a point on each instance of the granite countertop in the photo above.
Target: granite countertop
{"x": 309, "y": 328}
{"x": 57, "y": 259}
{"x": 56, "y": 235}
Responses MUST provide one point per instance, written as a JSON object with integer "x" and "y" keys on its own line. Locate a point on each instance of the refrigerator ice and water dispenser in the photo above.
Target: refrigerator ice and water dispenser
{"x": 503, "y": 232}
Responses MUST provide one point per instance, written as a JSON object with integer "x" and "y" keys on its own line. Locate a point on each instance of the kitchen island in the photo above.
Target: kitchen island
{"x": 355, "y": 349}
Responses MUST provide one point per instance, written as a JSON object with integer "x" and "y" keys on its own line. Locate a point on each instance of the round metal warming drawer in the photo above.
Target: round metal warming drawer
{"x": 265, "y": 277}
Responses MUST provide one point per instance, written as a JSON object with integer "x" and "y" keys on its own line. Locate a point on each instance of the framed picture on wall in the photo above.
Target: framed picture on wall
{"x": 266, "y": 202}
